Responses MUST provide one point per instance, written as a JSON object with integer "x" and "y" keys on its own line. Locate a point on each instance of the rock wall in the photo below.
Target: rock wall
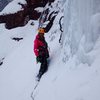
{"x": 21, "y": 17}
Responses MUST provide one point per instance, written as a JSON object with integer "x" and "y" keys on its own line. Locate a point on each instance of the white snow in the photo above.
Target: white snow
{"x": 13, "y": 7}
{"x": 74, "y": 71}
{"x": 39, "y": 9}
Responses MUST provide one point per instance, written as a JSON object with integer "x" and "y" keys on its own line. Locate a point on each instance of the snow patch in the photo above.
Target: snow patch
{"x": 13, "y": 7}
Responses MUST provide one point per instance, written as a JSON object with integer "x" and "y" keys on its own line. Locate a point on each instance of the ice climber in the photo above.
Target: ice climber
{"x": 41, "y": 52}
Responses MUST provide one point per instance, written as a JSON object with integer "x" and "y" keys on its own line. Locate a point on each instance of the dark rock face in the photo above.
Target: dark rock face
{"x": 13, "y": 20}
{"x": 21, "y": 17}
{"x": 38, "y": 3}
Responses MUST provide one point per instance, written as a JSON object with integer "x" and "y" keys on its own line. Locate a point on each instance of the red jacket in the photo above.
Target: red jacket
{"x": 40, "y": 46}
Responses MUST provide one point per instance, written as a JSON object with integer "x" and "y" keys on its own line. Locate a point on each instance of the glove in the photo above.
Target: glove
{"x": 38, "y": 59}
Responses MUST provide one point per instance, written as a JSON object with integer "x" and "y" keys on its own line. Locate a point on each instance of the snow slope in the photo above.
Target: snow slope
{"x": 17, "y": 71}
{"x": 73, "y": 74}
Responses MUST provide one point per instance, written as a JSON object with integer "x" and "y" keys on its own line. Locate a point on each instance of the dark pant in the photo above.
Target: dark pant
{"x": 43, "y": 67}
